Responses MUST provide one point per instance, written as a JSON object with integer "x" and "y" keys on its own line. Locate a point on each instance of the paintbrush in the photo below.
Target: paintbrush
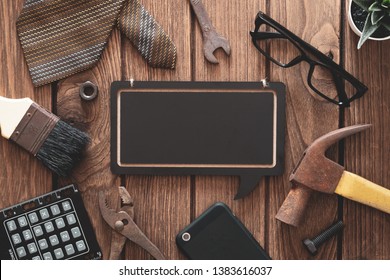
{"x": 54, "y": 142}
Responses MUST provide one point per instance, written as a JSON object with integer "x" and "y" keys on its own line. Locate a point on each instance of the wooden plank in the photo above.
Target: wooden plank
{"x": 93, "y": 173}
{"x": 233, "y": 20}
{"x": 162, "y": 204}
{"x": 22, "y": 176}
{"x": 368, "y": 154}
{"x": 308, "y": 117}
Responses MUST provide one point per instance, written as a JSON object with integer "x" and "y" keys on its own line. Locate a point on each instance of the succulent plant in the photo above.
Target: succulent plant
{"x": 378, "y": 15}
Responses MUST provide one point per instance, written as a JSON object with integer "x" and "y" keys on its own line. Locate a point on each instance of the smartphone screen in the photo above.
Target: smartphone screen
{"x": 218, "y": 235}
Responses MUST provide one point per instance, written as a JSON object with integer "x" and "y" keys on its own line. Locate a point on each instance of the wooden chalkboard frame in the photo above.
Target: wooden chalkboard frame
{"x": 249, "y": 175}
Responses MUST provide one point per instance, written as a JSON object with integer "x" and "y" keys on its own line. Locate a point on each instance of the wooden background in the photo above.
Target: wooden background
{"x": 164, "y": 205}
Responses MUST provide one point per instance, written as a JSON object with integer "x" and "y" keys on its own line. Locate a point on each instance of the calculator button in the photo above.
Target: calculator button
{"x": 11, "y": 225}
{"x": 38, "y": 231}
{"x": 69, "y": 249}
{"x": 44, "y": 214}
{"x": 64, "y": 236}
{"x": 58, "y": 253}
{"x": 16, "y": 239}
{"x": 47, "y": 256}
{"x": 66, "y": 206}
{"x": 71, "y": 219}
{"x": 27, "y": 235}
{"x": 60, "y": 223}
{"x": 33, "y": 217}
{"x": 22, "y": 221}
{"x": 54, "y": 240}
{"x": 55, "y": 210}
{"x": 43, "y": 244}
{"x": 80, "y": 245}
{"x": 49, "y": 227}
{"x": 76, "y": 232}
{"x": 36, "y": 258}
{"x": 21, "y": 252}
{"x": 32, "y": 248}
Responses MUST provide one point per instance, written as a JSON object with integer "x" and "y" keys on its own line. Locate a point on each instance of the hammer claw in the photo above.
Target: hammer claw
{"x": 324, "y": 142}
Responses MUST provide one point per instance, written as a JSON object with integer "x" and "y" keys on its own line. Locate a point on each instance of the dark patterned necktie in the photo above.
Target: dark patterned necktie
{"x": 63, "y": 37}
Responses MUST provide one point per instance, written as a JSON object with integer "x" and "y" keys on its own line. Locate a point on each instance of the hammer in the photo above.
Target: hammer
{"x": 316, "y": 172}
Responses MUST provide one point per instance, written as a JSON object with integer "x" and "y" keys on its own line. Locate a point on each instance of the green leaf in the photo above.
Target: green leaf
{"x": 376, "y": 17}
{"x": 375, "y": 7}
{"x": 385, "y": 3}
{"x": 368, "y": 30}
{"x": 364, "y": 4}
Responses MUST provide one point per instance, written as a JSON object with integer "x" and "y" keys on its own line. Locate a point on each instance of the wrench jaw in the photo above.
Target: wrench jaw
{"x": 212, "y": 42}
{"x": 211, "y": 39}
{"x": 210, "y": 57}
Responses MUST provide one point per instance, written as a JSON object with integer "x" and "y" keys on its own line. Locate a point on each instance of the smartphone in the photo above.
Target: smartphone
{"x": 218, "y": 235}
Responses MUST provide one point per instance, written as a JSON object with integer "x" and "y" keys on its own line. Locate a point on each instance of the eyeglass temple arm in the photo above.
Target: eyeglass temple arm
{"x": 266, "y": 35}
{"x": 343, "y": 98}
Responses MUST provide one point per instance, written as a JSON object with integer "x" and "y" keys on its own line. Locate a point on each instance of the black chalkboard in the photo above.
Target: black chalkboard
{"x": 198, "y": 128}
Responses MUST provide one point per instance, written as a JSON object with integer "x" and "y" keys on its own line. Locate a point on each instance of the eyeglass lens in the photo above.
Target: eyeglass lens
{"x": 319, "y": 77}
{"x": 280, "y": 50}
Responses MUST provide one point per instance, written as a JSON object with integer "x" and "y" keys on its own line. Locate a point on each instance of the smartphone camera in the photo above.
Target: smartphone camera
{"x": 186, "y": 237}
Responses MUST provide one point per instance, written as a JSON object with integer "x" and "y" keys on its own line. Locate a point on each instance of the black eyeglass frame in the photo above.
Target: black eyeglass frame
{"x": 337, "y": 71}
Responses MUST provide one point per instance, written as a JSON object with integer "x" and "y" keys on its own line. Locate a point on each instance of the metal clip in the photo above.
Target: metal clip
{"x": 265, "y": 82}
{"x": 131, "y": 82}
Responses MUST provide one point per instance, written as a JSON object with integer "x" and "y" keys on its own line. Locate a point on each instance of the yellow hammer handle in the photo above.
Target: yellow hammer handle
{"x": 361, "y": 190}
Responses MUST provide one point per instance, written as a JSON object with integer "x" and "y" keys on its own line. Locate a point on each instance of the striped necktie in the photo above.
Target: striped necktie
{"x": 63, "y": 37}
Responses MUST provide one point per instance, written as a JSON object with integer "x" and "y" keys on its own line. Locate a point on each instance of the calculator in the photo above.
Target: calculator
{"x": 54, "y": 226}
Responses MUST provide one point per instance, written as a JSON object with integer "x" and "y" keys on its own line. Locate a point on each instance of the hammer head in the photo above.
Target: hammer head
{"x": 317, "y": 172}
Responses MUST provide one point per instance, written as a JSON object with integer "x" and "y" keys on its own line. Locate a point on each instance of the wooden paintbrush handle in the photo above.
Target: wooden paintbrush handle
{"x": 11, "y": 113}
{"x": 361, "y": 190}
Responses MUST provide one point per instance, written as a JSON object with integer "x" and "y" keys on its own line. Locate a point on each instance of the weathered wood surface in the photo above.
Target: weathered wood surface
{"x": 308, "y": 117}
{"x": 162, "y": 203}
{"x": 17, "y": 183}
{"x": 368, "y": 154}
{"x": 165, "y": 204}
{"x": 244, "y": 64}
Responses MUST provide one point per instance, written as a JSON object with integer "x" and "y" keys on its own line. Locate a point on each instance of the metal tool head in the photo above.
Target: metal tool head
{"x": 127, "y": 202}
{"x": 212, "y": 42}
{"x": 124, "y": 226}
{"x": 317, "y": 172}
{"x": 110, "y": 215}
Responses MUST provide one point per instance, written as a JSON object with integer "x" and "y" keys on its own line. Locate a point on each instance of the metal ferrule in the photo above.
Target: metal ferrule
{"x": 34, "y": 128}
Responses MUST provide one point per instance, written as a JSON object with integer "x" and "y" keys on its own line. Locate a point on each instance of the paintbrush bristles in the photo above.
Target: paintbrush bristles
{"x": 62, "y": 149}
{"x": 58, "y": 145}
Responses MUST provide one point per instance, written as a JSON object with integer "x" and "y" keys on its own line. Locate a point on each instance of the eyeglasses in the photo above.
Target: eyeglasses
{"x": 285, "y": 49}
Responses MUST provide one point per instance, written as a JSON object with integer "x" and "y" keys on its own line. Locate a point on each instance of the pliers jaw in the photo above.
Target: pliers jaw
{"x": 123, "y": 226}
{"x": 117, "y": 220}
{"x": 126, "y": 206}
{"x": 127, "y": 203}
{"x": 110, "y": 215}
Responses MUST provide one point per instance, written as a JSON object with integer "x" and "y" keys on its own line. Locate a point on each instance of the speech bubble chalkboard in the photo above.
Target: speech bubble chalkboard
{"x": 198, "y": 128}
